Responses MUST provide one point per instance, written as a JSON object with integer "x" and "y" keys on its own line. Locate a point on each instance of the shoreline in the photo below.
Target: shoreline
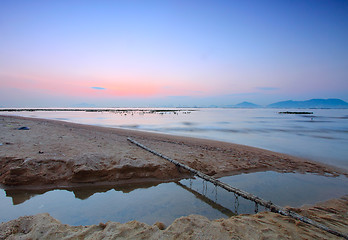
{"x": 63, "y": 154}
{"x": 263, "y": 225}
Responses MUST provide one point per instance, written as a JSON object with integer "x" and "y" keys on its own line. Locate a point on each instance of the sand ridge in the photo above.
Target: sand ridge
{"x": 264, "y": 225}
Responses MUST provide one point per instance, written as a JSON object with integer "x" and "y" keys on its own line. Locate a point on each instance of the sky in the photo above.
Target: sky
{"x": 171, "y": 53}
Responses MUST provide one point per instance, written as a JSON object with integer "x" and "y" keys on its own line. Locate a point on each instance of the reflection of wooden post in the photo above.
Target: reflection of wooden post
{"x": 268, "y": 204}
{"x": 205, "y": 199}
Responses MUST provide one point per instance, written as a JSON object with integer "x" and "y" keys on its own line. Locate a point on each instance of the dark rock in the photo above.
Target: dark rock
{"x": 24, "y": 128}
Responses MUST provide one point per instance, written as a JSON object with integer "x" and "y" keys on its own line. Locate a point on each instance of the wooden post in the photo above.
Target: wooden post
{"x": 268, "y": 204}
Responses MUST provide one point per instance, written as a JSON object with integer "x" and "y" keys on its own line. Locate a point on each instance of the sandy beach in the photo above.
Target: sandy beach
{"x": 54, "y": 154}
{"x": 66, "y": 154}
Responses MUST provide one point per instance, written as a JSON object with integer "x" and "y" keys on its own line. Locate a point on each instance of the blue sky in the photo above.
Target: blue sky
{"x": 152, "y": 53}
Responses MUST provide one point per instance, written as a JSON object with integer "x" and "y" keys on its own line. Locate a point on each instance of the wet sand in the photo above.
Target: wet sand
{"x": 60, "y": 154}
{"x": 55, "y": 153}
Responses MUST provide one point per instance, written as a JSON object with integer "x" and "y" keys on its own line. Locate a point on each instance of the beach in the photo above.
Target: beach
{"x": 54, "y": 154}
{"x": 62, "y": 154}
{"x": 265, "y": 225}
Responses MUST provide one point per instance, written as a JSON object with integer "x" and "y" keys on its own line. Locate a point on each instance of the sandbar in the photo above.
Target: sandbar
{"x": 54, "y": 154}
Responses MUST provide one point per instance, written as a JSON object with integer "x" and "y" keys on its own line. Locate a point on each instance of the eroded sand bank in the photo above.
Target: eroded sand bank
{"x": 265, "y": 225}
{"x": 64, "y": 154}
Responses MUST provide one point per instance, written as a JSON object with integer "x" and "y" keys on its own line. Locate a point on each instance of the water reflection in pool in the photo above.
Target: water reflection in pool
{"x": 167, "y": 201}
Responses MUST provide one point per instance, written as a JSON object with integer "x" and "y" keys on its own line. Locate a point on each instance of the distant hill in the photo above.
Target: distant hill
{"x": 313, "y": 103}
{"x": 246, "y": 105}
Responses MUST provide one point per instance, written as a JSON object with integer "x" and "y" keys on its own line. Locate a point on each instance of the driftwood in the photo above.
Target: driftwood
{"x": 268, "y": 204}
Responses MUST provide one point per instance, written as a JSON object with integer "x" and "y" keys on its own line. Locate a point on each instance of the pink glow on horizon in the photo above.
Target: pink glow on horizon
{"x": 129, "y": 87}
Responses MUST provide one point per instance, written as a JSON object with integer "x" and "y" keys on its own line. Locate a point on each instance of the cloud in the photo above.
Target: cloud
{"x": 267, "y": 88}
{"x": 98, "y": 88}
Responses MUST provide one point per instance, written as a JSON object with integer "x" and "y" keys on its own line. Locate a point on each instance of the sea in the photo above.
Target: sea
{"x": 316, "y": 134}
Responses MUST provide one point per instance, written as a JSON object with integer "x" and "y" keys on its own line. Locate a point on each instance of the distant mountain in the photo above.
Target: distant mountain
{"x": 313, "y": 103}
{"x": 246, "y": 105}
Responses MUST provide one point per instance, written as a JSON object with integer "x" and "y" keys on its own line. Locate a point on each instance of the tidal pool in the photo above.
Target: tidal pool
{"x": 167, "y": 201}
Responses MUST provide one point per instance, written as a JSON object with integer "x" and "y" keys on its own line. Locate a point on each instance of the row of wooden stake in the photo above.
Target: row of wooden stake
{"x": 268, "y": 204}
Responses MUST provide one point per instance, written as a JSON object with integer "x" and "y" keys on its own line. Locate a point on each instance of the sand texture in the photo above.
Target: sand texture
{"x": 265, "y": 225}
{"x": 55, "y": 153}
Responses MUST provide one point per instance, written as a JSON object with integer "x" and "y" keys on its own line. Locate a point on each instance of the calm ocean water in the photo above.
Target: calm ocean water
{"x": 322, "y": 136}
